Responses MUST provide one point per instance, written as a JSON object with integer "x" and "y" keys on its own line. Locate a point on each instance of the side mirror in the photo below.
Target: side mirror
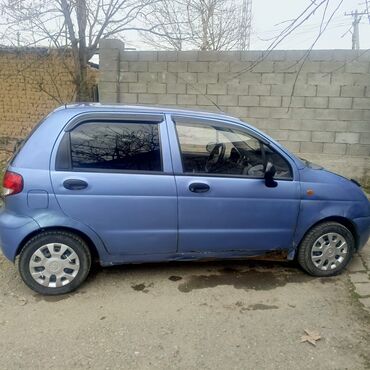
{"x": 270, "y": 172}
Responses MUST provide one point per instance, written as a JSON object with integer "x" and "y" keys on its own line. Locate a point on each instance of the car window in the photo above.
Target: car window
{"x": 211, "y": 148}
{"x": 116, "y": 146}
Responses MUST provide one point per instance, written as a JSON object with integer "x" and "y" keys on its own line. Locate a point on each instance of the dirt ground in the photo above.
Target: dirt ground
{"x": 219, "y": 315}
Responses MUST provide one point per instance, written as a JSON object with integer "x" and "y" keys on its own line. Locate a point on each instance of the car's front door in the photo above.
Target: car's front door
{"x": 224, "y": 204}
{"x": 113, "y": 173}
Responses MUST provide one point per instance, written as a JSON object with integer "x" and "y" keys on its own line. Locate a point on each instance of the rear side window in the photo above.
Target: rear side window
{"x": 116, "y": 146}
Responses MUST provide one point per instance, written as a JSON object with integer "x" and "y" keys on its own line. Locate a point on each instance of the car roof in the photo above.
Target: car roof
{"x": 90, "y": 107}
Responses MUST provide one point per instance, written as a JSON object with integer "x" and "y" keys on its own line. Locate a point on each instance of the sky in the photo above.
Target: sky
{"x": 267, "y": 16}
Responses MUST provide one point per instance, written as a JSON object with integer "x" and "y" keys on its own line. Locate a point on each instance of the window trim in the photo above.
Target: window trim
{"x": 65, "y": 145}
{"x": 261, "y": 141}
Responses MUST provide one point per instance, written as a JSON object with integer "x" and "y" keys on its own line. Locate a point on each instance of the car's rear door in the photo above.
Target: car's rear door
{"x": 113, "y": 172}
{"x": 227, "y": 207}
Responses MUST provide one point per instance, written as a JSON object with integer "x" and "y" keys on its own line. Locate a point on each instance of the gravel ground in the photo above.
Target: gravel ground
{"x": 219, "y": 315}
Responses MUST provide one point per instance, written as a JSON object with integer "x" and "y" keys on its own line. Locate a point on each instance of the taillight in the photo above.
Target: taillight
{"x": 12, "y": 183}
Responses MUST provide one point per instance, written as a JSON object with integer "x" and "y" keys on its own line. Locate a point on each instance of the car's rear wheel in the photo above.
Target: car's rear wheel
{"x": 54, "y": 262}
{"x": 326, "y": 249}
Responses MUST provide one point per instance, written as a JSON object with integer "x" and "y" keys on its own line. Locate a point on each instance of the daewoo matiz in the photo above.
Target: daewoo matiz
{"x": 137, "y": 184}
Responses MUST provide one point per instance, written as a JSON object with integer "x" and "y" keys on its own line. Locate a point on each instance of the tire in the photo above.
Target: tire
{"x": 334, "y": 256}
{"x": 59, "y": 260}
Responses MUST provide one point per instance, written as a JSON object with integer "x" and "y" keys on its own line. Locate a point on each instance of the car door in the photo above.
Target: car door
{"x": 224, "y": 205}
{"x": 113, "y": 172}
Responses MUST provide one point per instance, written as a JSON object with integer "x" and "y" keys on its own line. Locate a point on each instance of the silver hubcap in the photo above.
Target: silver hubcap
{"x": 329, "y": 251}
{"x": 54, "y": 265}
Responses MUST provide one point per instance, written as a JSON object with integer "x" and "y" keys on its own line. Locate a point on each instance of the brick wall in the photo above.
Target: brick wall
{"x": 32, "y": 83}
{"x": 326, "y": 117}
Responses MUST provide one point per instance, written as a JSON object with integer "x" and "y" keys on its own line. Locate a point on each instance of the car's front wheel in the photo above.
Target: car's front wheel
{"x": 326, "y": 249}
{"x": 54, "y": 262}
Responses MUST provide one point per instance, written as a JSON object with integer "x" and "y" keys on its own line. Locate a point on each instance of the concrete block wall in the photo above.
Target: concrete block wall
{"x": 320, "y": 110}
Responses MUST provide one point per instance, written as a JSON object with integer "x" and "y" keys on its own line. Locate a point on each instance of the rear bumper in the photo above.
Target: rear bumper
{"x": 363, "y": 231}
{"x": 13, "y": 230}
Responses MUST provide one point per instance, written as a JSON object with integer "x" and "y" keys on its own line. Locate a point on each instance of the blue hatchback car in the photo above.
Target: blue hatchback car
{"x": 124, "y": 184}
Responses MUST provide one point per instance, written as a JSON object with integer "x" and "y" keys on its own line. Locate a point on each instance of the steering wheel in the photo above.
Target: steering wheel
{"x": 215, "y": 157}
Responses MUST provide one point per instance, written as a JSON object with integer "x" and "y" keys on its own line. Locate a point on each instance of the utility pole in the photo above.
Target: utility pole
{"x": 356, "y": 28}
{"x": 245, "y": 27}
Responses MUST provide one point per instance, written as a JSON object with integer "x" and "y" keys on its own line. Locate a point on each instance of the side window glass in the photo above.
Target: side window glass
{"x": 213, "y": 149}
{"x": 116, "y": 146}
{"x": 208, "y": 148}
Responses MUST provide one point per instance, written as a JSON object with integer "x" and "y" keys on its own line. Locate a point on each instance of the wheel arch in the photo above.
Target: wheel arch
{"x": 90, "y": 244}
{"x": 339, "y": 219}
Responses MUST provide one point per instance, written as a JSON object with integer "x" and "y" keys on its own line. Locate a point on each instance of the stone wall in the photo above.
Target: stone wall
{"x": 33, "y": 82}
{"x": 326, "y": 116}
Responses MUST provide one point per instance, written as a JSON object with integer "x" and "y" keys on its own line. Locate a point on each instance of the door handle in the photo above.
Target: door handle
{"x": 75, "y": 184}
{"x": 199, "y": 187}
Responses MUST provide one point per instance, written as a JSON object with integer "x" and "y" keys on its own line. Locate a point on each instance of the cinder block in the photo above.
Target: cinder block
{"x": 251, "y": 55}
{"x": 263, "y": 67}
{"x": 357, "y": 67}
{"x": 187, "y": 77}
{"x": 304, "y": 90}
{"x": 157, "y": 66}
{"x": 238, "y": 112}
{"x": 108, "y": 97}
{"x": 129, "y": 55}
{"x": 146, "y": 76}
{"x": 227, "y": 100}
{"x": 259, "y": 89}
{"x": 281, "y": 113}
{"x": 205, "y": 100}
{"x": 360, "y": 79}
{"x": 359, "y": 150}
{"x": 323, "y": 137}
{"x": 235, "y": 67}
{"x": 290, "y": 124}
{"x": 207, "y": 78}
{"x": 361, "y": 103}
{"x": 352, "y": 91}
{"x": 186, "y": 99}
{"x": 187, "y": 56}
{"x": 277, "y": 134}
{"x": 273, "y": 78}
{"x": 128, "y": 98}
{"x": 281, "y": 90}
{"x": 352, "y": 114}
{"x": 299, "y": 135}
{"x": 365, "y": 138}
{"x": 289, "y": 66}
{"x": 238, "y": 89}
{"x": 166, "y": 99}
{"x": 250, "y": 78}
{"x": 176, "y": 88}
{"x": 320, "y": 55}
{"x": 128, "y": 77}
{"x": 316, "y": 102}
{"x": 208, "y": 56}
{"x": 138, "y": 66}
{"x": 307, "y": 147}
{"x": 137, "y": 87}
{"x": 148, "y": 56}
{"x": 148, "y": 98}
{"x": 216, "y": 89}
{"x": 249, "y": 101}
{"x": 347, "y": 137}
{"x": 330, "y": 66}
{"x": 156, "y": 88}
{"x": 340, "y": 103}
{"x": 334, "y": 148}
{"x": 123, "y": 67}
{"x": 293, "y": 101}
{"x": 218, "y": 67}
{"x": 270, "y": 101}
{"x": 359, "y": 126}
{"x": 328, "y": 90}
{"x": 329, "y": 114}
{"x": 229, "y": 56}
{"x": 259, "y": 112}
{"x": 293, "y": 146}
{"x": 323, "y": 125}
{"x": 196, "y": 88}
{"x": 167, "y": 56}
{"x": 318, "y": 78}
{"x": 177, "y": 66}
{"x": 165, "y": 77}
{"x": 198, "y": 66}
